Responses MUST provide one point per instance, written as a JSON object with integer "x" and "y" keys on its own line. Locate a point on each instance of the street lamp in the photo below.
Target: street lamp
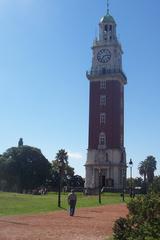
{"x": 99, "y": 189}
{"x": 123, "y": 182}
{"x": 131, "y": 165}
{"x": 60, "y": 166}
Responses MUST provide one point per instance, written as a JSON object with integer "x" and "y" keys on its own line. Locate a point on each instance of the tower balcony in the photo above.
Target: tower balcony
{"x": 106, "y": 73}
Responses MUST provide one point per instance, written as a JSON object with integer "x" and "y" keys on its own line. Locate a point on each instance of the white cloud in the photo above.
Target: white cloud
{"x": 75, "y": 155}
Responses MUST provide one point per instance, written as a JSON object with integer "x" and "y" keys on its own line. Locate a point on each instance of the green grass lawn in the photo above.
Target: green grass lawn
{"x": 15, "y": 204}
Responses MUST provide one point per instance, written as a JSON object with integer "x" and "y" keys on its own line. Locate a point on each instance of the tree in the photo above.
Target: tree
{"x": 20, "y": 142}
{"x": 24, "y": 167}
{"x": 143, "y": 169}
{"x": 61, "y": 161}
{"x": 151, "y": 168}
{"x": 62, "y": 156}
{"x": 3, "y": 182}
{"x": 136, "y": 182}
{"x": 76, "y": 181}
{"x": 147, "y": 168}
{"x": 155, "y": 187}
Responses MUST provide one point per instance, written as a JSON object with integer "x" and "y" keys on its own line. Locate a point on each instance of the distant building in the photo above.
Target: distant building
{"x": 106, "y": 158}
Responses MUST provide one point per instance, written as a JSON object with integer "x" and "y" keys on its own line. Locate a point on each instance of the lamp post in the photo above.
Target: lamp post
{"x": 123, "y": 182}
{"x": 131, "y": 165}
{"x": 99, "y": 189}
{"x": 60, "y": 165}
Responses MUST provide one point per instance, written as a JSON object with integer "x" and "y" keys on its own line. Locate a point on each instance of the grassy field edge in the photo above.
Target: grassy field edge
{"x": 17, "y": 204}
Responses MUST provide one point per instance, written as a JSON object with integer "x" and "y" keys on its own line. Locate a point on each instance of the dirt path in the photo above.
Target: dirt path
{"x": 87, "y": 224}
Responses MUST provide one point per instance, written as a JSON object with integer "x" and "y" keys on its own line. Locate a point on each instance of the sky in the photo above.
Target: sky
{"x": 45, "y": 51}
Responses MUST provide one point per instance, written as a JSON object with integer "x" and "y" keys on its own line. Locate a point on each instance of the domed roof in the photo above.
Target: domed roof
{"x": 107, "y": 18}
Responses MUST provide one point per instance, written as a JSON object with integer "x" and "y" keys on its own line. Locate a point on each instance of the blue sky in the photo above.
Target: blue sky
{"x": 45, "y": 50}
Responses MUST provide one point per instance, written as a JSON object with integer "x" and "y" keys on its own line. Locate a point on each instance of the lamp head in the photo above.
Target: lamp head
{"x": 130, "y": 162}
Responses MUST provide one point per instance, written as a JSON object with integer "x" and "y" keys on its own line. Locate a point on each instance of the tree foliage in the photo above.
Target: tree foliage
{"x": 67, "y": 173}
{"x": 136, "y": 182}
{"x": 62, "y": 156}
{"x": 20, "y": 142}
{"x": 155, "y": 186}
{"x": 24, "y": 168}
{"x": 60, "y": 166}
{"x": 76, "y": 181}
{"x": 143, "y": 220}
{"x": 147, "y": 169}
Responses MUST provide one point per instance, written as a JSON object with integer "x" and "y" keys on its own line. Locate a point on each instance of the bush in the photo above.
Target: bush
{"x": 120, "y": 227}
{"x": 142, "y": 222}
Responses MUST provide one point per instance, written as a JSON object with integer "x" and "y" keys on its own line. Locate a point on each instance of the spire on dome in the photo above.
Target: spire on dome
{"x": 108, "y": 17}
{"x": 107, "y": 7}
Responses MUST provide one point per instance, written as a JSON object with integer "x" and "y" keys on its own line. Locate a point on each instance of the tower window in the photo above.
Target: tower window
{"x": 102, "y": 139}
{"x": 106, "y": 28}
{"x": 102, "y": 100}
{"x": 110, "y": 27}
{"x": 103, "y": 71}
{"x": 102, "y": 84}
{"x": 102, "y": 118}
{"x": 107, "y": 159}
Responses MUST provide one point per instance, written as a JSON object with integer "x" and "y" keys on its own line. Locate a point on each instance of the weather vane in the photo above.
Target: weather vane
{"x": 107, "y": 7}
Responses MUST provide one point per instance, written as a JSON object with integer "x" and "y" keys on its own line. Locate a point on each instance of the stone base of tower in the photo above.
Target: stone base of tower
{"x": 105, "y": 169}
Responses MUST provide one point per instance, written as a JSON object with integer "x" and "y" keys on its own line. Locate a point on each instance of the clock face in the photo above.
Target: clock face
{"x": 104, "y": 55}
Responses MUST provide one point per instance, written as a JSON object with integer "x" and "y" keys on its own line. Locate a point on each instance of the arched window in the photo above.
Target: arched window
{"x": 102, "y": 139}
{"x": 102, "y": 118}
{"x": 102, "y": 100}
{"x": 103, "y": 84}
{"x": 106, "y": 28}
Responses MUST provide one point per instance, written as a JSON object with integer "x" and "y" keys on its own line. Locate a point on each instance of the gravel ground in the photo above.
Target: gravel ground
{"x": 87, "y": 224}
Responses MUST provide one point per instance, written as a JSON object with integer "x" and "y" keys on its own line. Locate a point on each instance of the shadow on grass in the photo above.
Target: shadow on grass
{"x": 63, "y": 208}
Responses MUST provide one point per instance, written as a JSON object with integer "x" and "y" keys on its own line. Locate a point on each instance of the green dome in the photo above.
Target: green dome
{"x": 107, "y": 18}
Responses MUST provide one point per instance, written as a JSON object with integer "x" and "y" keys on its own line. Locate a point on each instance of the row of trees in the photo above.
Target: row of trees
{"x": 143, "y": 219}
{"x": 146, "y": 170}
{"x": 25, "y": 168}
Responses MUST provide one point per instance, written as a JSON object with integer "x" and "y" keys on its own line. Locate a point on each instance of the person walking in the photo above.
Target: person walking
{"x": 72, "y": 200}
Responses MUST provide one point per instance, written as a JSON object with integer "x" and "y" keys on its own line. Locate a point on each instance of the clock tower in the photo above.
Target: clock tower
{"x": 106, "y": 157}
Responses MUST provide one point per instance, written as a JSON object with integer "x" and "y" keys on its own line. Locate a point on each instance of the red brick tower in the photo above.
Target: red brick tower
{"x": 106, "y": 160}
